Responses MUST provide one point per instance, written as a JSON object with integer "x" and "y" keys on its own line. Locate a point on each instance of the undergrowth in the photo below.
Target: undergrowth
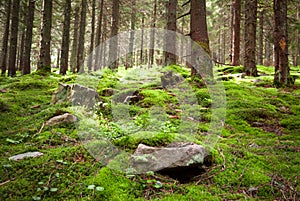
{"x": 256, "y": 158}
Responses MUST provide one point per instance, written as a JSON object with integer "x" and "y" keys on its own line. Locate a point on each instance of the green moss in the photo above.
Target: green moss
{"x": 156, "y": 97}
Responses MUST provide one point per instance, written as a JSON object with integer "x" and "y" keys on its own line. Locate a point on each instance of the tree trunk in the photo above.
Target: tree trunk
{"x": 236, "y": 34}
{"x": 152, "y": 35}
{"x": 98, "y": 58}
{"x": 297, "y": 41}
{"x": 261, "y": 38}
{"x": 28, "y": 37}
{"x": 282, "y": 71}
{"x": 21, "y": 51}
{"x": 80, "y": 53}
{"x": 13, "y": 38}
{"x": 170, "y": 53}
{"x": 5, "y": 39}
{"x": 45, "y": 57}
{"x": 65, "y": 45}
{"x": 132, "y": 35}
{"x": 113, "y": 46}
{"x": 142, "y": 39}
{"x": 75, "y": 41}
{"x": 250, "y": 38}
{"x": 91, "y": 55}
{"x": 198, "y": 28}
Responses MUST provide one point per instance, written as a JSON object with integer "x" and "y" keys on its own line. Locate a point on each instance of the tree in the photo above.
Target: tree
{"x": 198, "y": 27}
{"x": 44, "y": 63}
{"x": 80, "y": 53}
{"x": 65, "y": 45}
{"x": 132, "y": 35}
{"x": 91, "y": 57}
{"x": 28, "y": 38}
{"x": 98, "y": 58}
{"x": 152, "y": 35}
{"x": 14, "y": 29}
{"x": 281, "y": 62}
{"x": 236, "y": 33}
{"x": 260, "y": 38}
{"x": 113, "y": 46}
{"x": 5, "y": 38}
{"x": 250, "y": 37}
{"x": 74, "y": 51}
{"x": 170, "y": 57}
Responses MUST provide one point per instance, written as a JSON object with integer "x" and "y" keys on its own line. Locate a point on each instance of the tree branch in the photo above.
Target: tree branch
{"x": 184, "y": 15}
{"x": 186, "y": 3}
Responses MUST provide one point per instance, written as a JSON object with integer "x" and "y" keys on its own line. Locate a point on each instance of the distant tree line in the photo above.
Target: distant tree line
{"x": 60, "y": 34}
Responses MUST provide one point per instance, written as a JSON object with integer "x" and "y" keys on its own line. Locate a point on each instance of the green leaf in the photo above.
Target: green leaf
{"x": 46, "y": 188}
{"x": 36, "y": 198}
{"x": 158, "y": 184}
{"x": 99, "y": 188}
{"x": 57, "y": 175}
{"x": 91, "y": 187}
{"x": 53, "y": 189}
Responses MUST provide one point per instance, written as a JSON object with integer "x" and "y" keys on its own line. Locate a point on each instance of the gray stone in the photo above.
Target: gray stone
{"x": 76, "y": 95}
{"x": 173, "y": 157}
{"x": 65, "y": 118}
{"x": 25, "y": 155}
{"x": 169, "y": 79}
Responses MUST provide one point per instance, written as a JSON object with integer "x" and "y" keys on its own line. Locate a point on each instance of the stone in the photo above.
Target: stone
{"x": 169, "y": 79}
{"x": 76, "y": 95}
{"x": 178, "y": 159}
{"x": 65, "y": 118}
{"x": 25, "y": 155}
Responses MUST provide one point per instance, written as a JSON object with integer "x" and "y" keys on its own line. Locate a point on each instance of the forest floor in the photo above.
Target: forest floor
{"x": 257, "y": 156}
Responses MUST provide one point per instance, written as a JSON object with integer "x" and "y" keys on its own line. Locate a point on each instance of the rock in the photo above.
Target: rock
{"x": 76, "y": 95}
{"x": 25, "y": 155}
{"x": 65, "y": 118}
{"x": 169, "y": 79}
{"x": 177, "y": 160}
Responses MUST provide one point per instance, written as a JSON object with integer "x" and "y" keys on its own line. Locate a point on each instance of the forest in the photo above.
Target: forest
{"x": 150, "y": 100}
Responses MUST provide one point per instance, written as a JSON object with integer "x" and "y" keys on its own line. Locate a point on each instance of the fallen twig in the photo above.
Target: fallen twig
{"x": 224, "y": 160}
{"x": 6, "y": 182}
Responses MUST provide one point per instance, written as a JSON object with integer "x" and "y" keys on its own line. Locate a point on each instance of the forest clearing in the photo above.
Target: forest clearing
{"x": 149, "y": 100}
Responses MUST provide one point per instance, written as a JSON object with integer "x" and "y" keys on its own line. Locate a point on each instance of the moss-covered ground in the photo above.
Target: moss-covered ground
{"x": 257, "y": 156}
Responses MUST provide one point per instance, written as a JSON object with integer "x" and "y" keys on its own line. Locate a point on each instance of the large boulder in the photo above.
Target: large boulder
{"x": 178, "y": 160}
{"x": 76, "y": 95}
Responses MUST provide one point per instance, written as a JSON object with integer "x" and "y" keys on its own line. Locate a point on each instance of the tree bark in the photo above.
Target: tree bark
{"x": 250, "y": 38}
{"x": 282, "y": 71}
{"x": 75, "y": 41}
{"x": 65, "y": 45}
{"x": 91, "y": 56}
{"x": 132, "y": 34}
{"x": 198, "y": 28}
{"x": 152, "y": 35}
{"x": 28, "y": 37}
{"x": 142, "y": 39}
{"x": 21, "y": 51}
{"x": 98, "y": 59}
{"x": 44, "y": 63}
{"x": 236, "y": 34}
{"x": 80, "y": 53}
{"x": 13, "y": 38}
{"x": 261, "y": 38}
{"x": 113, "y": 46}
{"x": 170, "y": 53}
{"x": 5, "y": 39}
{"x": 297, "y": 41}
